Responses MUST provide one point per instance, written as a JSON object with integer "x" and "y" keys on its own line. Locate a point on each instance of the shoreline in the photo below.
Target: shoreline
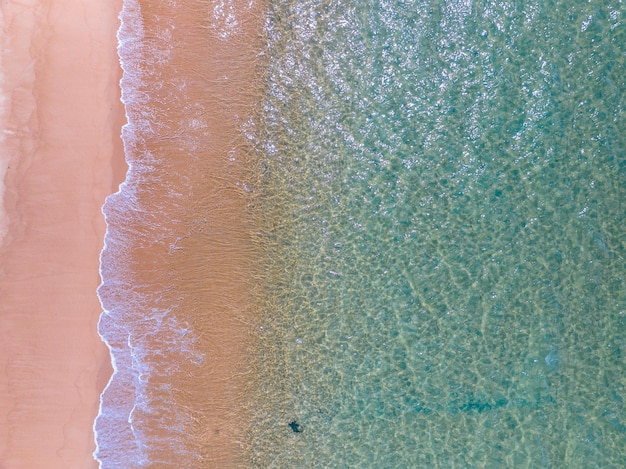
{"x": 180, "y": 260}
{"x": 61, "y": 121}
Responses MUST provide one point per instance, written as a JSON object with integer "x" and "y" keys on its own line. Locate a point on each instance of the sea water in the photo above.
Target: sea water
{"x": 441, "y": 202}
{"x": 176, "y": 267}
{"x": 449, "y": 183}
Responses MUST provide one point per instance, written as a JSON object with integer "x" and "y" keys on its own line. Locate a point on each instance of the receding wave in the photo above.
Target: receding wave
{"x": 178, "y": 256}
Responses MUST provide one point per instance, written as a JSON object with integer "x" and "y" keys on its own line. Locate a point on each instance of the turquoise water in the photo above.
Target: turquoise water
{"x": 447, "y": 188}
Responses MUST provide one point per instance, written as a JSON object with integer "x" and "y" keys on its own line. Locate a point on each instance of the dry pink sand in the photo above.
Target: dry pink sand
{"x": 61, "y": 119}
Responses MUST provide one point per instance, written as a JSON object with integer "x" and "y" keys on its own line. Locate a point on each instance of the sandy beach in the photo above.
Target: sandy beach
{"x": 61, "y": 119}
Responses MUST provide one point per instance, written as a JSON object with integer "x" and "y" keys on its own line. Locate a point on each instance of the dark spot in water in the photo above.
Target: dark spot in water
{"x": 476, "y": 405}
{"x": 295, "y": 426}
{"x": 420, "y": 408}
{"x": 481, "y": 404}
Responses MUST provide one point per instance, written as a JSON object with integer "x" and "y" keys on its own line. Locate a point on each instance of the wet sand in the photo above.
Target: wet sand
{"x": 61, "y": 123}
{"x": 180, "y": 247}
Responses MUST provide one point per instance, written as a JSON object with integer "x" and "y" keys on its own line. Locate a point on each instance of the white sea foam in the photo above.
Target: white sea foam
{"x": 146, "y": 342}
{"x": 224, "y": 20}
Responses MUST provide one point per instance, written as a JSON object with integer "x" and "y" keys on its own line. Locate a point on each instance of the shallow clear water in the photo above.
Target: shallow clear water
{"x": 444, "y": 186}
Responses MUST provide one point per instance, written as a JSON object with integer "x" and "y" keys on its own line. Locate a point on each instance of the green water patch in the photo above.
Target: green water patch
{"x": 445, "y": 189}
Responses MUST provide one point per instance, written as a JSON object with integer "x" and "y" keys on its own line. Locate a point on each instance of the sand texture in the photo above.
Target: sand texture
{"x": 61, "y": 148}
{"x": 179, "y": 267}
